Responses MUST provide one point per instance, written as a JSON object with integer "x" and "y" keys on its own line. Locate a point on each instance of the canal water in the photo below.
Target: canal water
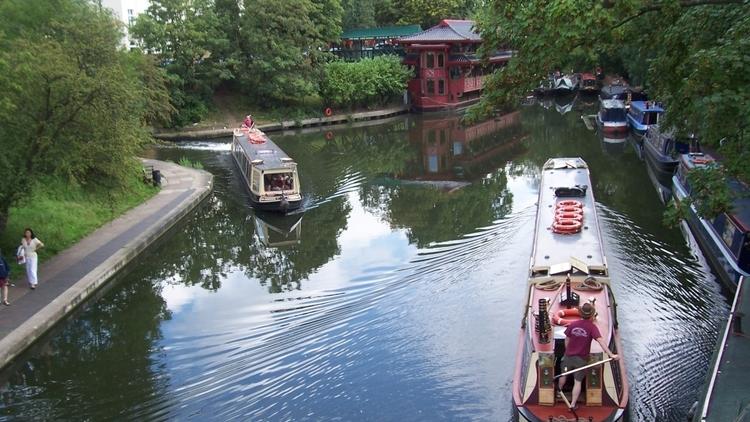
{"x": 395, "y": 295}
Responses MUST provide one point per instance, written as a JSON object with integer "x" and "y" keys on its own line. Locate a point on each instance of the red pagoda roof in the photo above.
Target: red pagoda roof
{"x": 446, "y": 30}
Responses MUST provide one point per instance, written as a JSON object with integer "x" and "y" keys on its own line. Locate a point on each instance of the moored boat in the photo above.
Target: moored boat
{"x": 642, "y": 115}
{"x": 611, "y": 117}
{"x": 589, "y": 83}
{"x": 269, "y": 173}
{"x": 568, "y": 268}
{"x": 565, "y": 83}
{"x": 725, "y": 239}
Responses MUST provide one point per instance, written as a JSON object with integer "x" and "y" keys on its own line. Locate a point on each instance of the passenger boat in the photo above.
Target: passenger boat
{"x": 611, "y": 117}
{"x": 268, "y": 172}
{"x": 589, "y": 83}
{"x": 725, "y": 239}
{"x": 566, "y": 83}
{"x": 642, "y": 115}
{"x": 663, "y": 148}
{"x": 568, "y": 267}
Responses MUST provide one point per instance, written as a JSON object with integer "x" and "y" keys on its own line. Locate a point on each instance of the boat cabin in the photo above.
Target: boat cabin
{"x": 612, "y": 116}
{"x": 589, "y": 83}
{"x": 728, "y": 240}
{"x": 448, "y": 72}
{"x": 643, "y": 114}
{"x": 269, "y": 173}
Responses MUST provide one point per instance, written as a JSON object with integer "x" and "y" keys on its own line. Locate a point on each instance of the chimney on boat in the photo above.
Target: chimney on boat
{"x": 542, "y": 322}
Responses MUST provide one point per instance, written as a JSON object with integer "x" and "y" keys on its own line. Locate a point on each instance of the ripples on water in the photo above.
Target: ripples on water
{"x": 388, "y": 307}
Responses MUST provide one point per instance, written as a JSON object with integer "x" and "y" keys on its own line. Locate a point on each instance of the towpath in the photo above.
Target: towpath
{"x": 71, "y": 276}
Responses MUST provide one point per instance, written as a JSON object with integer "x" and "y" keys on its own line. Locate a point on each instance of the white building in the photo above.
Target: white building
{"x": 126, "y": 11}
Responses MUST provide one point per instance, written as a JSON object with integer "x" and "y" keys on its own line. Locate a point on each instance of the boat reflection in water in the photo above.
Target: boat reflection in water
{"x": 451, "y": 150}
{"x": 277, "y": 230}
{"x": 613, "y": 143}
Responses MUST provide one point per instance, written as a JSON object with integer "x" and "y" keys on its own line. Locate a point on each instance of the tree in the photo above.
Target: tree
{"x": 429, "y": 12}
{"x": 75, "y": 105}
{"x": 285, "y": 46}
{"x": 358, "y": 13}
{"x": 185, "y": 37}
{"x": 688, "y": 53}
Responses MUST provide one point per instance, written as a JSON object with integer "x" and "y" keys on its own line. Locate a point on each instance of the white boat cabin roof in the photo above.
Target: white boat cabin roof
{"x": 613, "y": 104}
{"x": 263, "y": 148}
{"x": 560, "y": 252}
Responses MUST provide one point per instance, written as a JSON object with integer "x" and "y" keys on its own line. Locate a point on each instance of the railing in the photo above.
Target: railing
{"x": 366, "y": 53}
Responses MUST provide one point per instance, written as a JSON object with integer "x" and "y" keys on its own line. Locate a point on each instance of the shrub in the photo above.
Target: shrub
{"x": 366, "y": 82}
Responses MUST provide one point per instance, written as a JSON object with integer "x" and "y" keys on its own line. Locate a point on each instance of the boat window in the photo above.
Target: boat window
{"x": 278, "y": 181}
{"x": 440, "y": 60}
{"x": 614, "y": 114}
{"x": 650, "y": 118}
{"x": 430, "y": 86}
{"x": 255, "y": 181}
{"x": 441, "y": 86}
{"x": 430, "y": 60}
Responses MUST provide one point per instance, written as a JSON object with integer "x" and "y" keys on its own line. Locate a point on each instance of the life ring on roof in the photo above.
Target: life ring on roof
{"x": 562, "y": 215}
{"x": 570, "y": 203}
{"x": 329, "y": 135}
{"x": 256, "y": 138}
{"x": 701, "y": 160}
{"x": 569, "y": 208}
{"x": 566, "y": 226}
{"x": 328, "y": 112}
{"x": 561, "y": 317}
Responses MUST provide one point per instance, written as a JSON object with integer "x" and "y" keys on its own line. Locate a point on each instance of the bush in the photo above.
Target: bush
{"x": 363, "y": 83}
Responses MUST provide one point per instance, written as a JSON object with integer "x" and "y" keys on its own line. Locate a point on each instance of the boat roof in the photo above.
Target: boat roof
{"x": 613, "y": 104}
{"x": 646, "y": 106}
{"x": 551, "y": 249}
{"x": 274, "y": 158}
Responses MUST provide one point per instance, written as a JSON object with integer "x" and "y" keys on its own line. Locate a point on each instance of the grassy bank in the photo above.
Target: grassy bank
{"x": 229, "y": 109}
{"x": 61, "y": 213}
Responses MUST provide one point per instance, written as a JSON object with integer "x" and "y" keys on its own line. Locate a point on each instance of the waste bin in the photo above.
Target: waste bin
{"x": 156, "y": 177}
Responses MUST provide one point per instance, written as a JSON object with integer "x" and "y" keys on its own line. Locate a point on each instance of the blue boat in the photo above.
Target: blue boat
{"x": 662, "y": 149}
{"x": 725, "y": 240}
{"x": 642, "y": 115}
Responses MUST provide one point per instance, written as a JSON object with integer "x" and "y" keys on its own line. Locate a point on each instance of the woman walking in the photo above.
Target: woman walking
{"x": 4, "y": 278}
{"x": 30, "y": 245}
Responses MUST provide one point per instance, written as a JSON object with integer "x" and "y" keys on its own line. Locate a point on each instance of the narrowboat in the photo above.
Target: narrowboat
{"x": 589, "y": 83}
{"x": 565, "y": 84}
{"x": 568, "y": 269}
{"x": 725, "y": 239}
{"x": 270, "y": 174}
{"x": 663, "y": 149}
{"x": 642, "y": 115}
{"x": 611, "y": 117}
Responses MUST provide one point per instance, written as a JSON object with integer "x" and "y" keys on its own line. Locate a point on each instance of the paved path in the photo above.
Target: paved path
{"x": 70, "y": 277}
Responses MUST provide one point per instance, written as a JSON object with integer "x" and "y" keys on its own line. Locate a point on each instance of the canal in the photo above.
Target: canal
{"x": 395, "y": 295}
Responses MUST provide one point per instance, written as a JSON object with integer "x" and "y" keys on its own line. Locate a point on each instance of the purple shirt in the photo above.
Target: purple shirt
{"x": 580, "y": 333}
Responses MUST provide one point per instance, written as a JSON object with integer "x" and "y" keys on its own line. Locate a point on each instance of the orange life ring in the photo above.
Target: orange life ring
{"x": 559, "y": 318}
{"x": 700, "y": 160}
{"x": 329, "y": 135}
{"x": 562, "y": 215}
{"x": 328, "y": 112}
{"x": 257, "y": 138}
{"x": 569, "y": 208}
{"x": 566, "y": 226}
{"x": 570, "y": 203}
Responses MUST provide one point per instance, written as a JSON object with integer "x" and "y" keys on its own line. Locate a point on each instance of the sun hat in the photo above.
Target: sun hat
{"x": 587, "y": 310}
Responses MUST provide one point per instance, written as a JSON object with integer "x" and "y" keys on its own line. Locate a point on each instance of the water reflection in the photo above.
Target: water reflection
{"x": 393, "y": 295}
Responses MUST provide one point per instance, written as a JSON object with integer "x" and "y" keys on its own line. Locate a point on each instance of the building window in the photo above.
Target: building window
{"x": 430, "y": 87}
{"x": 430, "y": 60}
{"x": 441, "y": 86}
{"x": 441, "y": 60}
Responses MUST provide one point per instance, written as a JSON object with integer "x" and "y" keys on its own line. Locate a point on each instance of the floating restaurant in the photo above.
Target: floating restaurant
{"x": 448, "y": 73}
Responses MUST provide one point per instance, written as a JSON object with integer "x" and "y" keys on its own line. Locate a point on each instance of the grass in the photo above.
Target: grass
{"x": 185, "y": 162}
{"x": 229, "y": 109}
{"x": 61, "y": 213}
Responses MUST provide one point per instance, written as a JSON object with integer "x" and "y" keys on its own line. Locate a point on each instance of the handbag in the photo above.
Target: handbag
{"x": 20, "y": 255}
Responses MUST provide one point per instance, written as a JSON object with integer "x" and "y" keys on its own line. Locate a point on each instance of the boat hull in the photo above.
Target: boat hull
{"x": 708, "y": 241}
{"x": 659, "y": 162}
{"x": 275, "y": 206}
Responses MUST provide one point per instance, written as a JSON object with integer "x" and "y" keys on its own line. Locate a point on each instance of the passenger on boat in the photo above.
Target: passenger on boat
{"x": 578, "y": 336}
{"x": 248, "y": 122}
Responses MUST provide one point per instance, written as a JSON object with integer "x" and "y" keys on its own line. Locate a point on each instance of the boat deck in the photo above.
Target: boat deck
{"x": 727, "y": 395}
{"x": 258, "y": 146}
{"x": 551, "y": 248}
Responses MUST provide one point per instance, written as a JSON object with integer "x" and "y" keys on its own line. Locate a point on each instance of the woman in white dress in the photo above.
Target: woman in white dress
{"x": 30, "y": 245}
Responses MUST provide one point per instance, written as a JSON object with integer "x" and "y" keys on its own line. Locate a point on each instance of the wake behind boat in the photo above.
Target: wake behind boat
{"x": 568, "y": 272}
